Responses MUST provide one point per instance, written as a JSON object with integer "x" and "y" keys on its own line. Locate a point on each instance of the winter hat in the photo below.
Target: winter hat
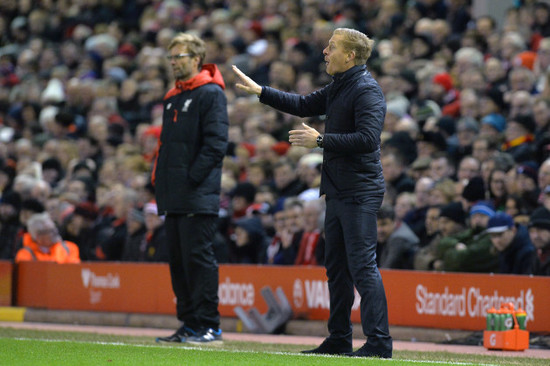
{"x": 253, "y": 226}
{"x": 483, "y": 207}
{"x": 500, "y": 222}
{"x": 443, "y": 79}
{"x": 11, "y": 198}
{"x": 529, "y": 169}
{"x": 540, "y": 218}
{"x": 526, "y": 121}
{"x": 474, "y": 190}
{"x": 526, "y": 59}
{"x": 495, "y": 120}
{"x": 32, "y": 204}
{"x": 435, "y": 138}
{"x": 454, "y": 212}
{"x": 467, "y": 124}
{"x": 496, "y": 96}
{"x": 447, "y": 124}
{"x": 246, "y": 190}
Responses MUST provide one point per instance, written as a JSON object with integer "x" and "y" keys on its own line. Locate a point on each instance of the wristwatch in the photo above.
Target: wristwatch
{"x": 320, "y": 141}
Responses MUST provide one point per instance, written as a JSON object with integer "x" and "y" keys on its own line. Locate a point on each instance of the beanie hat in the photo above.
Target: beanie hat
{"x": 474, "y": 190}
{"x": 454, "y": 212}
{"x": 11, "y": 198}
{"x": 540, "y": 218}
{"x": 529, "y": 169}
{"x": 447, "y": 124}
{"x": 500, "y": 222}
{"x": 281, "y": 148}
{"x": 467, "y": 124}
{"x": 496, "y": 96}
{"x": 246, "y": 190}
{"x": 526, "y": 121}
{"x": 483, "y": 207}
{"x": 495, "y": 120}
{"x": 526, "y": 59}
{"x": 435, "y": 138}
{"x": 443, "y": 79}
{"x": 32, "y": 204}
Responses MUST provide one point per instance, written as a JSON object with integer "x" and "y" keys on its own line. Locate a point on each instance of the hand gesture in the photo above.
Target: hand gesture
{"x": 306, "y": 137}
{"x": 247, "y": 84}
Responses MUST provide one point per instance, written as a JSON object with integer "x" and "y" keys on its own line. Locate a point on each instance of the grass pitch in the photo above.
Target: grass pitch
{"x": 30, "y": 347}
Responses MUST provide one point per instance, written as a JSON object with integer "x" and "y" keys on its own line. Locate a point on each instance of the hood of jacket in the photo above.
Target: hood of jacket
{"x": 209, "y": 74}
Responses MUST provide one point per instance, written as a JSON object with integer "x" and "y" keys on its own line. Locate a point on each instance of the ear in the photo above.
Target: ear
{"x": 351, "y": 56}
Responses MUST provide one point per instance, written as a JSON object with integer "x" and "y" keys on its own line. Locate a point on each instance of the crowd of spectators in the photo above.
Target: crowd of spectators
{"x": 466, "y": 134}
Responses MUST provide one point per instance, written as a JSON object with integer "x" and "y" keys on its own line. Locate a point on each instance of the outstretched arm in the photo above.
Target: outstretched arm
{"x": 247, "y": 84}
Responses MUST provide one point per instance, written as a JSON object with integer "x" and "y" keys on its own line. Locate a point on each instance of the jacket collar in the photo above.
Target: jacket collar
{"x": 349, "y": 74}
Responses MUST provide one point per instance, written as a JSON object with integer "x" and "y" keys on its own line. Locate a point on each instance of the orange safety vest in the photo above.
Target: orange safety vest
{"x": 61, "y": 252}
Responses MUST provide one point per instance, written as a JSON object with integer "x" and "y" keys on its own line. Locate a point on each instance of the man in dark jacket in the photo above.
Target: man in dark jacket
{"x": 187, "y": 178}
{"x": 539, "y": 232}
{"x": 516, "y": 252}
{"x": 352, "y": 183}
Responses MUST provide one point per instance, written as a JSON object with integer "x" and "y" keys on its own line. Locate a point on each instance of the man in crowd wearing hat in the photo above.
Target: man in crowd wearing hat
{"x": 539, "y": 233}
{"x": 469, "y": 250}
{"x": 516, "y": 251}
{"x": 519, "y": 138}
{"x": 452, "y": 220}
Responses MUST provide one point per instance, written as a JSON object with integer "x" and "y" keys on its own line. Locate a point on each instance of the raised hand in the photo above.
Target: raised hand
{"x": 247, "y": 84}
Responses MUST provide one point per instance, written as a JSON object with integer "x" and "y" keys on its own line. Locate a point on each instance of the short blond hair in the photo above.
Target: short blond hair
{"x": 194, "y": 44}
{"x": 357, "y": 42}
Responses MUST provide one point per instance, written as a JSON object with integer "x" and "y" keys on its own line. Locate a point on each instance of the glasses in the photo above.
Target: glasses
{"x": 178, "y": 57}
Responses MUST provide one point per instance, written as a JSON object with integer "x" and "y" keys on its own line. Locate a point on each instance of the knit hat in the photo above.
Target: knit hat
{"x": 495, "y": 120}
{"x": 281, "y": 148}
{"x": 540, "y": 218}
{"x": 447, "y": 124}
{"x": 443, "y": 79}
{"x": 435, "y": 138}
{"x": 526, "y": 59}
{"x": 11, "y": 198}
{"x": 474, "y": 190}
{"x": 496, "y": 96}
{"x": 526, "y": 121}
{"x": 529, "y": 169}
{"x": 246, "y": 190}
{"x": 454, "y": 212}
{"x": 500, "y": 222}
{"x": 483, "y": 207}
{"x": 467, "y": 124}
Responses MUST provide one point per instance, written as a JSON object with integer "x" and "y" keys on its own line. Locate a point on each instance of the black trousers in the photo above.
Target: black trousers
{"x": 193, "y": 269}
{"x": 350, "y": 260}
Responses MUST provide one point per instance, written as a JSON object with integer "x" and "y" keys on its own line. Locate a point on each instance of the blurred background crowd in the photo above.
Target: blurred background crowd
{"x": 465, "y": 144}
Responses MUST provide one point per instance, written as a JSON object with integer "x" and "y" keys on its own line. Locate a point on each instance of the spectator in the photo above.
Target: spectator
{"x": 397, "y": 243}
{"x": 10, "y": 204}
{"x": 519, "y": 137}
{"x": 43, "y": 243}
{"x": 469, "y": 250}
{"x": 154, "y": 247}
{"x": 309, "y": 252}
{"x": 80, "y": 228}
{"x": 135, "y": 235}
{"x": 539, "y": 233}
{"x": 250, "y": 241}
{"x": 416, "y": 218}
{"x": 512, "y": 242}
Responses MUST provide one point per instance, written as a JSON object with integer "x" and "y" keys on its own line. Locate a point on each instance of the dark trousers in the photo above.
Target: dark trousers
{"x": 193, "y": 269}
{"x": 350, "y": 260}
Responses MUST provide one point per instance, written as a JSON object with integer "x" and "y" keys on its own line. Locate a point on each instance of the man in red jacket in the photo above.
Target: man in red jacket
{"x": 187, "y": 178}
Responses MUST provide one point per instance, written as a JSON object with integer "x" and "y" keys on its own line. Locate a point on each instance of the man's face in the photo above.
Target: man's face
{"x": 479, "y": 220}
{"x": 432, "y": 220}
{"x": 540, "y": 237}
{"x": 448, "y": 227}
{"x": 184, "y": 67}
{"x": 385, "y": 228}
{"x": 47, "y": 236}
{"x": 502, "y": 240}
{"x": 337, "y": 59}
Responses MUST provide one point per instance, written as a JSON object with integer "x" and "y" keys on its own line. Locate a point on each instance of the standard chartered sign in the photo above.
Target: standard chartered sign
{"x": 469, "y": 301}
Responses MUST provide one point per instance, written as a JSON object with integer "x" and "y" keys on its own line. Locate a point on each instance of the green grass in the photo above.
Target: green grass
{"x": 29, "y": 347}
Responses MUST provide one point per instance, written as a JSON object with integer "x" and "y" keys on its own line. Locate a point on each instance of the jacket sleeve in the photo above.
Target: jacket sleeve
{"x": 313, "y": 104}
{"x": 215, "y": 124}
{"x": 369, "y": 112}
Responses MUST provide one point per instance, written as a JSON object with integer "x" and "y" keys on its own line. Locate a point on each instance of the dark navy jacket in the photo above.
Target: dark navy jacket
{"x": 519, "y": 256}
{"x": 193, "y": 142}
{"x": 355, "y": 109}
